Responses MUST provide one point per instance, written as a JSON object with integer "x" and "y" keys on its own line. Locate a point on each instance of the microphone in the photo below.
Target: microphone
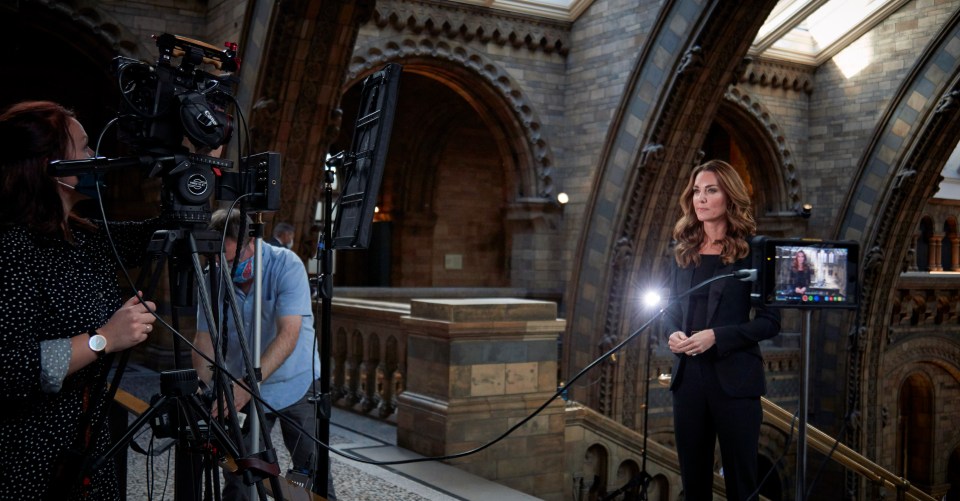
{"x": 748, "y": 275}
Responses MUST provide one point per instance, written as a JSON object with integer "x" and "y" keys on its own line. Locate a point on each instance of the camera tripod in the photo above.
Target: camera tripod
{"x": 178, "y": 411}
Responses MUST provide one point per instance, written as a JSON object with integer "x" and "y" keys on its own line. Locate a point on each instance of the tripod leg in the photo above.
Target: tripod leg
{"x": 131, "y": 431}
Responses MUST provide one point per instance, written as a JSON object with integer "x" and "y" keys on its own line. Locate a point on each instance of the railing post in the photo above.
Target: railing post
{"x": 475, "y": 367}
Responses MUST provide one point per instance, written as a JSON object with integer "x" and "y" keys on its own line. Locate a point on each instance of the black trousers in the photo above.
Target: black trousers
{"x": 703, "y": 414}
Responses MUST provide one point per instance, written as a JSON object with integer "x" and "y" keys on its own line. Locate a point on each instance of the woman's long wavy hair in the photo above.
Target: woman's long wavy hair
{"x": 796, "y": 261}
{"x": 32, "y": 134}
{"x": 688, "y": 232}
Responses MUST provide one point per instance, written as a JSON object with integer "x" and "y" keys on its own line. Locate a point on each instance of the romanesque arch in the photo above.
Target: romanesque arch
{"x": 898, "y": 174}
{"x": 779, "y": 184}
{"x": 652, "y": 144}
{"x": 489, "y": 90}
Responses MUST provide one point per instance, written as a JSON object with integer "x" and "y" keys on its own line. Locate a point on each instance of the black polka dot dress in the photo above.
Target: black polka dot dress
{"x": 49, "y": 290}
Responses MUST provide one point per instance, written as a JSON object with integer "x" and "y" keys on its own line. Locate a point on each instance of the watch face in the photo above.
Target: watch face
{"x": 97, "y": 343}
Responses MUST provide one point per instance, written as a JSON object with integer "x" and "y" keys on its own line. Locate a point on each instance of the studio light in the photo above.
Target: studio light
{"x": 651, "y": 299}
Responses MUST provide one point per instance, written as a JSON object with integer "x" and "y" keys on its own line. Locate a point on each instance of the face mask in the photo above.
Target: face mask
{"x": 289, "y": 244}
{"x": 244, "y": 271}
{"x": 86, "y": 186}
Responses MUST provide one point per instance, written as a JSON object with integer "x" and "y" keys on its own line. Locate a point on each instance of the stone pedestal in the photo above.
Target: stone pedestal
{"x": 477, "y": 367}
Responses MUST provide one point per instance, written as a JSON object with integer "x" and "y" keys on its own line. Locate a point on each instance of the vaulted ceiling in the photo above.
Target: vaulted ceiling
{"x": 800, "y": 31}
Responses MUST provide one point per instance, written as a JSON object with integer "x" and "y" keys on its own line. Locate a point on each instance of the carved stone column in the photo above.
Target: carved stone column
{"x": 936, "y": 244}
{"x": 912, "y": 254}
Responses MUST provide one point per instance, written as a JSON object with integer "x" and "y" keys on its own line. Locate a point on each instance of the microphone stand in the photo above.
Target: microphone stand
{"x": 322, "y": 402}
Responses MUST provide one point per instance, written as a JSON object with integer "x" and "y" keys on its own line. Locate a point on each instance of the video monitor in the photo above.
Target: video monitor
{"x": 804, "y": 273}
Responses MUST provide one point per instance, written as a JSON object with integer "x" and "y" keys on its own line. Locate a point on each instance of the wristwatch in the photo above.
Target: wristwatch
{"x": 97, "y": 344}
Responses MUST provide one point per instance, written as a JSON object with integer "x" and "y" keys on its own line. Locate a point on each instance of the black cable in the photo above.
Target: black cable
{"x": 773, "y": 467}
{"x": 560, "y": 391}
{"x": 539, "y": 409}
{"x": 823, "y": 464}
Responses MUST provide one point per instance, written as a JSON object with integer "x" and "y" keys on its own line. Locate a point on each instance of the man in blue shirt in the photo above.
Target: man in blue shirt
{"x": 289, "y": 361}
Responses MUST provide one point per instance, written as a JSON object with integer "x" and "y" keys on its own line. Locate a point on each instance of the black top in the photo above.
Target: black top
{"x": 49, "y": 290}
{"x": 727, "y": 310}
{"x": 698, "y": 299}
{"x": 800, "y": 278}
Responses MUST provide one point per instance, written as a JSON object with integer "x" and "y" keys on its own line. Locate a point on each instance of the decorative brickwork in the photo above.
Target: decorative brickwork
{"x": 452, "y": 21}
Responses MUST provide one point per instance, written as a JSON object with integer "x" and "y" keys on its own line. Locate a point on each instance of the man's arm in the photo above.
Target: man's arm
{"x": 203, "y": 344}
{"x": 288, "y": 332}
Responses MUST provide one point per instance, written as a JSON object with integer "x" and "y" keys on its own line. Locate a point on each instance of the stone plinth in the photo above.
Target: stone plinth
{"x": 477, "y": 367}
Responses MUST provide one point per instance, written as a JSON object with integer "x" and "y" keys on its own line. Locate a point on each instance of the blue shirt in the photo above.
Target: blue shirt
{"x": 286, "y": 291}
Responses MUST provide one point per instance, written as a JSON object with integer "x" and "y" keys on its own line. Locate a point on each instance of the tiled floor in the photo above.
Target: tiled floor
{"x": 352, "y": 435}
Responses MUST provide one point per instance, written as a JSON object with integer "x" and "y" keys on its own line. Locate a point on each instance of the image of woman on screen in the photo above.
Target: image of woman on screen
{"x": 718, "y": 374}
{"x": 800, "y": 272}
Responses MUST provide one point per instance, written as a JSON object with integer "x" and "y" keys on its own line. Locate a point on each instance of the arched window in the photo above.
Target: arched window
{"x": 949, "y": 255}
{"x": 594, "y": 483}
{"x": 915, "y": 430}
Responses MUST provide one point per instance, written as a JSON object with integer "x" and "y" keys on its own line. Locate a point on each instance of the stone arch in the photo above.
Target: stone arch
{"x": 497, "y": 98}
{"x": 693, "y": 52}
{"x": 780, "y": 184}
{"x": 895, "y": 176}
{"x": 97, "y": 24}
{"x": 915, "y": 433}
{"x": 596, "y": 465}
{"x": 773, "y": 446}
{"x": 48, "y": 40}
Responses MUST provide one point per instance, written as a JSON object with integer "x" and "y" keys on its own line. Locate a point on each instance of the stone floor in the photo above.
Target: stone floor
{"x": 350, "y": 434}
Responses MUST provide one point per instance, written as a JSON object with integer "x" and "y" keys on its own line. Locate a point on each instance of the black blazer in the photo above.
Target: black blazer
{"x": 739, "y": 365}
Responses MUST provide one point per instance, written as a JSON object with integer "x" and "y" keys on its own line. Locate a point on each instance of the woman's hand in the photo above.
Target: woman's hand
{"x": 692, "y": 345}
{"x": 129, "y": 325}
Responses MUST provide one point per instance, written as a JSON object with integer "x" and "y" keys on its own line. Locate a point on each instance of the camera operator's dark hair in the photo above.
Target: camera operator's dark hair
{"x": 32, "y": 134}
{"x": 228, "y": 223}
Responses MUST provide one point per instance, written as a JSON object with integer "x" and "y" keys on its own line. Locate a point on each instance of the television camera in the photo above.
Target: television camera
{"x": 174, "y": 116}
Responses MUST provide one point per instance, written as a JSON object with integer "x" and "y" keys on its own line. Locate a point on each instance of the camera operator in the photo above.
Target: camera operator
{"x": 290, "y": 364}
{"x": 61, "y": 312}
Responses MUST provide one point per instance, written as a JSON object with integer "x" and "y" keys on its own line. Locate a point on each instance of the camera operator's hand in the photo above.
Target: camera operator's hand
{"x": 129, "y": 325}
{"x": 241, "y": 398}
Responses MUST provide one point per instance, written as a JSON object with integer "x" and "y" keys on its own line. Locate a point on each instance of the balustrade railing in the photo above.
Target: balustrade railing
{"x": 369, "y": 371}
{"x": 369, "y": 356}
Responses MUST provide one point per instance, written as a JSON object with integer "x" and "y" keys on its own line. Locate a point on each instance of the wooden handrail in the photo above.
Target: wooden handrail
{"x": 847, "y": 457}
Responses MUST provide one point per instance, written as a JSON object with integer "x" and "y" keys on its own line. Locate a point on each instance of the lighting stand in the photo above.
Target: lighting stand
{"x": 325, "y": 291}
{"x": 645, "y": 477}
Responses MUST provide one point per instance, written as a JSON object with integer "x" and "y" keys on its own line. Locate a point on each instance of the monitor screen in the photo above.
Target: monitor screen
{"x": 803, "y": 273}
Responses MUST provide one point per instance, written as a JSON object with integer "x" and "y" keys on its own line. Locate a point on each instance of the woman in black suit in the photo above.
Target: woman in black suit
{"x": 800, "y": 273}
{"x": 718, "y": 376}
